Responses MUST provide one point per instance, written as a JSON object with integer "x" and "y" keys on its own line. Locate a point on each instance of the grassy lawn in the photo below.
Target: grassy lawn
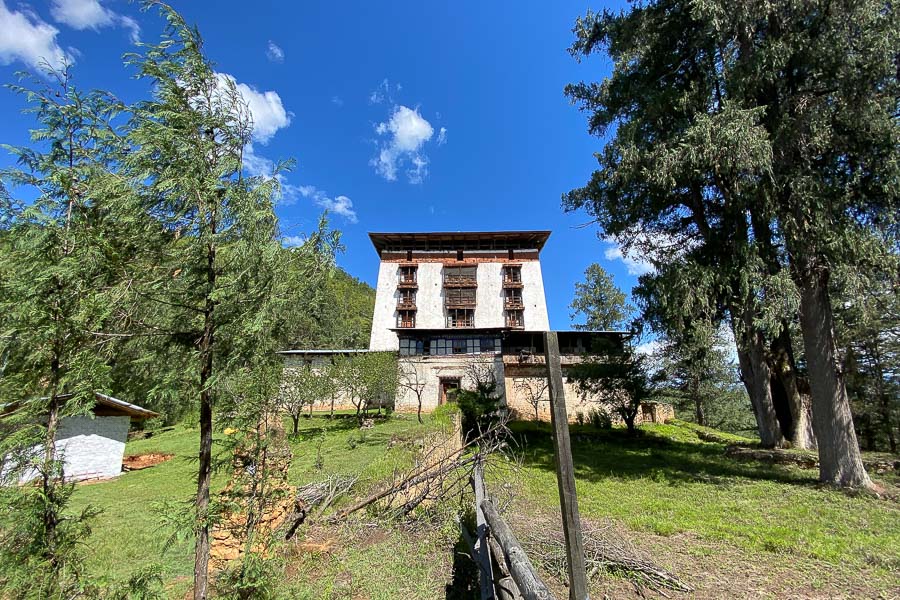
{"x": 680, "y": 498}
{"x": 668, "y": 482}
{"x": 128, "y": 534}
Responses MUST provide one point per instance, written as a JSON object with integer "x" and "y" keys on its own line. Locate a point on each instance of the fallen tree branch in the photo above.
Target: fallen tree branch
{"x": 429, "y": 478}
{"x": 321, "y": 494}
{"x": 604, "y": 551}
{"x": 523, "y": 572}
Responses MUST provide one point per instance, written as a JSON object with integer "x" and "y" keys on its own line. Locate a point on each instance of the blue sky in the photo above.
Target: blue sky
{"x": 406, "y": 116}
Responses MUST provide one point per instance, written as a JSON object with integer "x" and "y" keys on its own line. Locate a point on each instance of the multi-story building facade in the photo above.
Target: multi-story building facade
{"x": 460, "y": 306}
{"x": 445, "y": 300}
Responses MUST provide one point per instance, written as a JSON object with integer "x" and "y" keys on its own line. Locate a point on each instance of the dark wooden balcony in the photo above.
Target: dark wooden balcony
{"x": 406, "y": 304}
{"x": 512, "y": 282}
{"x": 513, "y": 303}
{"x": 515, "y": 321}
{"x": 406, "y": 283}
{"x": 460, "y": 281}
{"x": 456, "y": 302}
{"x": 406, "y": 321}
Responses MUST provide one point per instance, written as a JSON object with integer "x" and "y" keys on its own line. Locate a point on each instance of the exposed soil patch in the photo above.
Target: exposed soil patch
{"x": 136, "y": 462}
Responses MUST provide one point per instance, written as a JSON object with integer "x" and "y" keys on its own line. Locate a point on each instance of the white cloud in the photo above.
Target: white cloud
{"x": 635, "y": 265}
{"x": 648, "y": 348}
{"x": 257, "y": 165}
{"x": 384, "y": 92}
{"x": 90, "y": 14}
{"x": 442, "y": 136}
{"x": 339, "y": 205}
{"x": 266, "y": 108}
{"x": 132, "y": 26}
{"x": 406, "y": 131}
{"x": 644, "y": 248}
{"x": 274, "y": 52}
{"x": 292, "y": 241}
{"x": 25, "y": 37}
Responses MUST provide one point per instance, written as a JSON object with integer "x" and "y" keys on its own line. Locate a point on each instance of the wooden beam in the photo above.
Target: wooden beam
{"x": 482, "y": 554}
{"x": 565, "y": 471}
{"x": 528, "y": 581}
{"x": 505, "y": 586}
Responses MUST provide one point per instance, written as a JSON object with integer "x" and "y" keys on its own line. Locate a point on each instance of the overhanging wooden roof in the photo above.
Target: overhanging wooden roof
{"x": 104, "y": 406}
{"x": 460, "y": 240}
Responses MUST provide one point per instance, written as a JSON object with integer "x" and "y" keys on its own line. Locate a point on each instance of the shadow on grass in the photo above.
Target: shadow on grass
{"x": 312, "y": 430}
{"x": 599, "y": 454}
{"x": 463, "y": 584}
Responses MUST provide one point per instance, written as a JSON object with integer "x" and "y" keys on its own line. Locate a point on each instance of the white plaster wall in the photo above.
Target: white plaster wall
{"x": 536, "y": 318}
{"x": 432, "y": 368}
{"x": 430, "y": 297}
{"x": 90, "y": 447}
{"x": 384, "y": 318}
{"x": 489, "y": 310}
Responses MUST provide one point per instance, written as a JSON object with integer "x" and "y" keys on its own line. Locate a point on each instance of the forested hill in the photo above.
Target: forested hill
{"x": 342, "y": 318}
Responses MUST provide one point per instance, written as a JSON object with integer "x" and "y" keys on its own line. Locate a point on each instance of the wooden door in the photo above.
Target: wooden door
{"x": 449, "y": 388}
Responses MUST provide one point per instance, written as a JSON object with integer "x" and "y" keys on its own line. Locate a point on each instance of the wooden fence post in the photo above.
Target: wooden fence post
{"x": 565, "y": 471}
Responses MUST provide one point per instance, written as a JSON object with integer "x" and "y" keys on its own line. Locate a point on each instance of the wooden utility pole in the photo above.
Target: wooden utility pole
{"x": 565, "y": 471}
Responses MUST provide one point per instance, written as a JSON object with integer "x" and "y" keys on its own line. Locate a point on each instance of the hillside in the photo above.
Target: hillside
{"x": 727, "y": 529}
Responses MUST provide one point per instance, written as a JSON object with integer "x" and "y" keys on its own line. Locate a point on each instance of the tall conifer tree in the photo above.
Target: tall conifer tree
{"x": 208, "y": 282}
{"x": 740, "y": 136}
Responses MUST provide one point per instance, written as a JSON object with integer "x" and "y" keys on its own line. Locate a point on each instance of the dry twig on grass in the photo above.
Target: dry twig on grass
{"x": 318, "y": 495}
{"x": 441, "y": 471}
{"x": 605, "y": 549}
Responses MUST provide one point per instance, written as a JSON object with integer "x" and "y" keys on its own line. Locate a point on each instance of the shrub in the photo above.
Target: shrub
{"x": 600, "y": 418}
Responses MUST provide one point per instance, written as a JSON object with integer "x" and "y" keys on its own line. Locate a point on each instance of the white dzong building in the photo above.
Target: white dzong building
{"x": 456, "y": 306}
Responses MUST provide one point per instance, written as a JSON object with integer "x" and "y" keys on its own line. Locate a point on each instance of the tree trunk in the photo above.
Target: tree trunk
{"x": 49, "y": 479}
{"x": 332, "y": 407}
{"x": 699, "y": 411}
{"x": 840, "y": 462}
{"x": 201, "y": 548}
{"x": 419, "y": 410}
{"x": 799, "y": 432}
{"x": 756, "y": 376}
{"x": 295, "y": 418}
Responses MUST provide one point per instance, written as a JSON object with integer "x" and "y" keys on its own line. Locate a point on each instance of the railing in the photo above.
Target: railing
{"x": 460, "y": 323}
{"x": 404, "y": 304}
{"x": 459, "y": 298}
{"x": 462, "y": 281}
{"x": 406, "y": 323}
{"x": 407, "y": 281}
{"x": 459, "y": 302}
{"x": 513, "y": 303}
{"x": 515, "y": 323}
{"x": 512, "y": 282}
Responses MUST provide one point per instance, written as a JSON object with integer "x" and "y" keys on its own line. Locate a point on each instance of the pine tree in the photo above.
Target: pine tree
{"x": 56, "y": 270}
{"x": 208, "y": 280}
{"x": 604, "y": 306}
{"x": 738, "y": 137}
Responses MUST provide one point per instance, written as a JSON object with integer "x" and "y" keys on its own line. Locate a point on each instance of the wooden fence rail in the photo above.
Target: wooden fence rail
{"x": 528, "y": 582}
